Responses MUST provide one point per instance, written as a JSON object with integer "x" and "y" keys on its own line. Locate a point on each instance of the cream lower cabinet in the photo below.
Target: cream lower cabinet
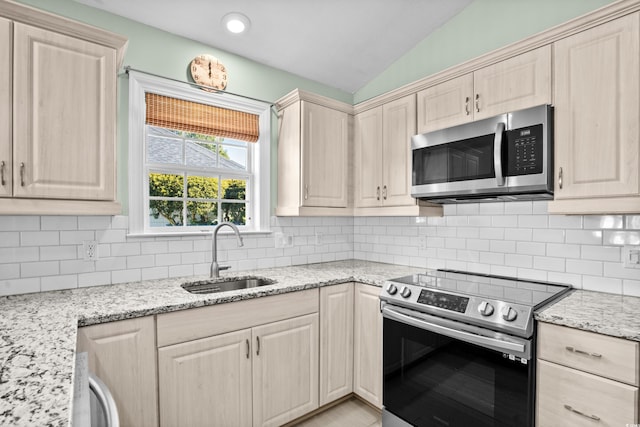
{"x": 122, "y": 355}
{"x": 597, "y": 105}
{"x": 246, "y": 363}
{"x": 313, "y": 155}
{"x": 513, "y": 84}
{"x": 367, "y": 344}
{"x": 585, "y": 379}
{"x": 336, "y": 342}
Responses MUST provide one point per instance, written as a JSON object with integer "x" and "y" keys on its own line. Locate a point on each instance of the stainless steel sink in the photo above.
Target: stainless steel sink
{"x": 222, "y": 285}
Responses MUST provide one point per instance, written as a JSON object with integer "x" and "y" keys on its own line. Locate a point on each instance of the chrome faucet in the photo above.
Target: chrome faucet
{"x": 215, "y": 268}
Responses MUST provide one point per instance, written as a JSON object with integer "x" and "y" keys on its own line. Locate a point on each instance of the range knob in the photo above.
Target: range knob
{"x": 392, "y": 289}
{"x": 405, "y": 292}
{"x": 485, "y": 308}
{"x": 509, "y": 314}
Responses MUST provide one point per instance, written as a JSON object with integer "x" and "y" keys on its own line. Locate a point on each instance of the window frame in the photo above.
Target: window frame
{"x": 259, "y": 159}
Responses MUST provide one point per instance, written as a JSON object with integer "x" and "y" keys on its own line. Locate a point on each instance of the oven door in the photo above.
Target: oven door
{"x": 439, "y": 372}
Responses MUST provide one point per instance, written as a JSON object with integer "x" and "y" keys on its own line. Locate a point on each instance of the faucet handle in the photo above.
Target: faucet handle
{"x": 224, "y": 267}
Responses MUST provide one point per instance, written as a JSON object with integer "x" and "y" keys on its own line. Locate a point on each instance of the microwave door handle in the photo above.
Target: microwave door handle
{"x": 480, "y": 340}
{"x": 497, "y": 154}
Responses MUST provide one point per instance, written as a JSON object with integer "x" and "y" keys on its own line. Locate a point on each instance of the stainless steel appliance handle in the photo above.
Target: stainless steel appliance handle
{"x": 497, "y": 154}
{"x": 105, "y": 399}
{"x": 496, "y": 343}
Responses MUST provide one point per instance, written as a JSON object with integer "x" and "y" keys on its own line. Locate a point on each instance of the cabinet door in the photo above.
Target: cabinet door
{"x": 336, "y": 342}
{"x": 285, "y": 370}
{"x": 207, "y": 382}
{"x": 325, "y": 151}
{"x": 571, "y": 398}
{"x": 367, "y": 345}
{"x": 64, "y": 116}
{"x": 368, "y": 158}
{"x": 447, "y": 104}
{"x": 520, "y": 82}
{"x": 122, "y": 354}
{"x": 399, "y": 125}
{"x": 596, "y": 85}
{"x": 5, "y": 109}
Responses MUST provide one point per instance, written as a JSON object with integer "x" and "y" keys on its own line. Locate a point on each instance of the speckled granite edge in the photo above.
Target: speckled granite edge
{"x": 38, "y": 331}
{"x": 608, "y": 314}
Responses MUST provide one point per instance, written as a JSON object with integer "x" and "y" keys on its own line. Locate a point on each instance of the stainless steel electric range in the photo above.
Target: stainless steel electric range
{"x": 459, "y": 349}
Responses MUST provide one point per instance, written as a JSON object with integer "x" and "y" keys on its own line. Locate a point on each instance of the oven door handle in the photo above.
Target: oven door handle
{"x": 494, "y": 343}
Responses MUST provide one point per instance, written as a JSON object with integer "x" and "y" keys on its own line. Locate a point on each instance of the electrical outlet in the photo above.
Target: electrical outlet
{"x": 283, "y": 240}
{"x": 319, "y": 236}
{"x": 422, "y": 242}
{"x": 631, "y": 256}
{"x": 90, "y": 248}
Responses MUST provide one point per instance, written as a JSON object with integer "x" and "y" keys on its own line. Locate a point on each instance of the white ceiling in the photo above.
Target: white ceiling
{"x": 341, "y": 43}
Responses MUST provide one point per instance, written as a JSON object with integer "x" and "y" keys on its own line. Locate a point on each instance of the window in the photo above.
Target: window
{"x": 195, "y": 158}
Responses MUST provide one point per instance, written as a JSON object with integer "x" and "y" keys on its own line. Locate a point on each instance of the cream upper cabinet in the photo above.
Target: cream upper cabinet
{"x": 597, "y": 105}
{"x": 207, "y": 379}
{"x": 336, "y": 342}
{"x": 585, "y": 379}
{"x": 58, "y": 114}
{"x": 64, "y": 116}
{"x": 313, "y": 155}
{"x": 6, "y": 161}
{"x": 122, "y": 355}
{"x": 513, "y": 84}
{"x": 285, "y": 370}
{"x": 367, "y": 345}
{"x": 368, "y": 158}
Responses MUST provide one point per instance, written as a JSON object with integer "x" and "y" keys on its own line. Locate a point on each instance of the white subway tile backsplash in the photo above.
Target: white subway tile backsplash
{"x": 516, "y": 239}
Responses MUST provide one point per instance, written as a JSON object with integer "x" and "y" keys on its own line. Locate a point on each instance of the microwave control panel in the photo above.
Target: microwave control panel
{"x": 525, "y": 146}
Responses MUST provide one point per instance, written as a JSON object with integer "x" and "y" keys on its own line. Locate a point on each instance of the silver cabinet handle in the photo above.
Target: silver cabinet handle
{"x": 306, "y": 191}
{"x": 384, "y": 192}
{"x": 248, "y": 349}
{"x": 378, "y": 193}
{"x": 497, "y": 154}
{"x": 466, "y": 106}
{"x": 477, "y": 102}
{"x": 586, "y": 353}
{"x": 575, "y": 411}
{"x": 2, "y": 181}
{"x": 258, "y": 346}
{"x": 21, "y": 174}
{"x": 560, "y": 179}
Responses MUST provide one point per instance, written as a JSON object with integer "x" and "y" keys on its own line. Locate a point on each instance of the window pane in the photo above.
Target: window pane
{"x": 232, "y": 157}
{"x": 164, "y": 150}
{"x": 165, "y": 213}
{"x": 235, "y": 213}
{"x": 234, "y": 189}
{"x": 165, "y": 185}
{"x": 202, "y": 187}
{"x": 202, "y": 154}
{"x": 202, "y": 213}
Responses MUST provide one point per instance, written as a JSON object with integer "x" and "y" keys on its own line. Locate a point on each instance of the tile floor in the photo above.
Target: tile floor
{"x": 351, "y": 413}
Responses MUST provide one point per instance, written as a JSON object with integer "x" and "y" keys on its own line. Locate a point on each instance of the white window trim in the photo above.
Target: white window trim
{"x": 139, "y": 84}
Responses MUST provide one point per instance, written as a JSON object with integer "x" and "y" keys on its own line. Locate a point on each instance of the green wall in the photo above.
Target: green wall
{"x": 481, "y": 27}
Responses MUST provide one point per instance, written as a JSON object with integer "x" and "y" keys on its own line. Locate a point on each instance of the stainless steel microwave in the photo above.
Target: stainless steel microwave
{"x": 506, "y": 157}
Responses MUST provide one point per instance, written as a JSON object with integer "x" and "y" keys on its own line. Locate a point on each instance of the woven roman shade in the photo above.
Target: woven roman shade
{"x": 178, "y": 114}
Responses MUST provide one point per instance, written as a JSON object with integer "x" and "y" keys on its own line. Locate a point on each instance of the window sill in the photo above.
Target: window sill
{"x": 197, "y": 233}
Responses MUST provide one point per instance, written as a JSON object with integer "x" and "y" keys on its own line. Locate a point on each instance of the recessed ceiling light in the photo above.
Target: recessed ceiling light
{"x": 236, "y": 22}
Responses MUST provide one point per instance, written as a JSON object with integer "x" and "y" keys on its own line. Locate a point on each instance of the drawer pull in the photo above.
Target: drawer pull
{"x": 575, "y": 411}
{"x": 586, "y": 353}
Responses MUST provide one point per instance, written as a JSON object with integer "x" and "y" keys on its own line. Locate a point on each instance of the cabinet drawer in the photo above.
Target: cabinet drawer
{"x": 602, "y": 355}
{"x": 561, "y": 391}
{"x": 188, "y": 325}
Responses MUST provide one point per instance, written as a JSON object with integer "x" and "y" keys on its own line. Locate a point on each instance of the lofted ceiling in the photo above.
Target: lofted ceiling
{"x": 341, "y": 43}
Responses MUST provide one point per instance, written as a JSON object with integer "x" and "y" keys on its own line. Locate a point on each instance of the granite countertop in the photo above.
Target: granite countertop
{"x": 608, "y": 314}
{"x": 38, "y": 331}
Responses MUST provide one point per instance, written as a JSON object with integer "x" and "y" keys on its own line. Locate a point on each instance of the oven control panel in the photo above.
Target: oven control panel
{"x": 442, "y": 300}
